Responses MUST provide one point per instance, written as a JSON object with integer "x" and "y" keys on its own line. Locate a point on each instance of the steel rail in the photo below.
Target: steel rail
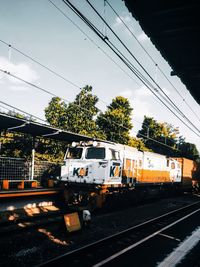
{"x": 69, "y": 257}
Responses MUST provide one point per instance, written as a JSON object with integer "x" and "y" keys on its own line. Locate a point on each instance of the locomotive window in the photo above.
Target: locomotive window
{"x": 114, "y": 154}
{"x": 74, "y": 153}
{"x": 172, "y": 165}
{"x": 95, "y": 153}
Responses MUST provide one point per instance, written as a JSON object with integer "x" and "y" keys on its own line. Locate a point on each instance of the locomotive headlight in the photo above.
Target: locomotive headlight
{"x": 74, "y": 144}
{"x": 83, "y": 143}
{"x": 95, "y": 143}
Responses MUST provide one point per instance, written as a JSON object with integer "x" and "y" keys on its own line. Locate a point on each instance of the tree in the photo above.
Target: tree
{"x": 163, "y": 133}
{"x": 78, "y": 116}
{"x": 15, "y": 145}
{"x": 81, "y": 114}
{"x": 56, "y": 113}
{"x": 50, "y": 150}
{"x": 138, "y": 143}
{"x": 166, "y": 134}
{"x": 116, "y": 121}
{"x": 188, "y": 150}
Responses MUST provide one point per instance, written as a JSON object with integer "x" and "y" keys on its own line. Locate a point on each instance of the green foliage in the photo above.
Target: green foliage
{"x": 166, "y": 134}
{"x": 50, "y": 150}
{"x": 138, "y": 143}
{"x": 162, "y": 132}
{"x": 20, "y": 146}
{"x": 81, "y": 113}
{"x": 116, "y": 121}
{"x": 77, "y": 116}
{"x": 16, "y": 145}
{"x": 56, "y": 113}
{"x": 188, "y": 150}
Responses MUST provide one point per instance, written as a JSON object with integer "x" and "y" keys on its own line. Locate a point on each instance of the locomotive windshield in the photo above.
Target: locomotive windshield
{"x": 74, "y": 153}
{"x": 95, "y": 153}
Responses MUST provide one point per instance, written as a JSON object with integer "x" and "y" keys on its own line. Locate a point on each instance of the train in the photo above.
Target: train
{"x": 92, "y": 170}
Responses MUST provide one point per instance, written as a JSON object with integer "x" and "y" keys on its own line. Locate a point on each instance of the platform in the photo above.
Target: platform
{"x": 28, "y": 192}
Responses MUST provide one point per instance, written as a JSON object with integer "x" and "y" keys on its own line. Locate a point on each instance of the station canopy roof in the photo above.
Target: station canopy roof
{"x": 14, "y": 124}
{"x": 174, "y": 28}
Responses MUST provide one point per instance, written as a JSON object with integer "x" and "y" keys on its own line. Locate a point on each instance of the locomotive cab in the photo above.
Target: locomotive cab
{"x": 92, "y": 163}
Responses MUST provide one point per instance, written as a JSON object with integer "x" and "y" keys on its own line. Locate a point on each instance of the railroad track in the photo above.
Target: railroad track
{"x": 24, "y": 212}
{"x": 111, "y": 250}
{"x": 23, "y": 224}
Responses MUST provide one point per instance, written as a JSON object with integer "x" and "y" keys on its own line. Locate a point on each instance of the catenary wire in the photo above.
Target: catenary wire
{"x": 39, "y": 63}
{"x": 33, "y": 116}
{"x": 46, "y": 91}
{"x": 89, "y": 38}
{"x": 156, "y": 64}
{"x": 105, "y": 40}
{"x": 36, "y": 61}
{"x": 134, "y": 57}
{"x": 20, "y": 110}
{"x": 39, "y": 88}
{"x": 92, "y": 41}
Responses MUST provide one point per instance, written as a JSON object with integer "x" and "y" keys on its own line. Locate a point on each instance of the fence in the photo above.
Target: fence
{"x": 20, "y": 169}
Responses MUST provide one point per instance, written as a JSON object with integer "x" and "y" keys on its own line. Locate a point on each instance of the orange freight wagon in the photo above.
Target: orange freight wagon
{"x": 188, "y": 167}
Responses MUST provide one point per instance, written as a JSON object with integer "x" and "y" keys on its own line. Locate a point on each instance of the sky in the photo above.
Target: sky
{"x": 68, "y": 47}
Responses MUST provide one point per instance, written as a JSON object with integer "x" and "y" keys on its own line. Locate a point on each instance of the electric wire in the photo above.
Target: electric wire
{"x": 40, "y": 88}
{"x": 39, "y": 63}
{"x": 33, "y": 116}
{"x": 57, "y": 74}
{"x": 54, "y": 72}
{"x": 5, "y": 108}
{"x": 32, "y": 84}
{"x": 72, "y": 7}
{"x": 134, "y": 57}
{"x": 22, "y": 111}
{"x": 156, "y": 64}
{"x": 46, "y": 91}
{"x": 92, "y": 41}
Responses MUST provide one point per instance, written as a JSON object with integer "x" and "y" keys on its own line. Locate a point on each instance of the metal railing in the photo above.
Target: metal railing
{"x": 20, "y": 169}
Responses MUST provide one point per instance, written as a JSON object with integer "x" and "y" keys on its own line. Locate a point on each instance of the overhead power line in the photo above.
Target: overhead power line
{"x": 22, "y": 111}
{"x": 46, "y": 91}
{"x": 92, "y": 41}
{"x": 152, "y": 59}
{"x": 39, "y": 88}
{"x": 39, "y": 63}
{"x": 134, "y": 57}
{"x": 129, "y": 64}
{"x": 33, "y": 116}
{"x": 47, "y": 68}
{"x": 57, "y": 74}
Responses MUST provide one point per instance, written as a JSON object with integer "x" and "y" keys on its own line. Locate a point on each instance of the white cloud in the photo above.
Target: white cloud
{"x": 142, "y": 37}
{"x": 22, "y": 70}
{"x": 142, "y": 91}
{"x": 126, "y": 93}
{"x": 139, "y": 100}
{"x": 141, "y": 108}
